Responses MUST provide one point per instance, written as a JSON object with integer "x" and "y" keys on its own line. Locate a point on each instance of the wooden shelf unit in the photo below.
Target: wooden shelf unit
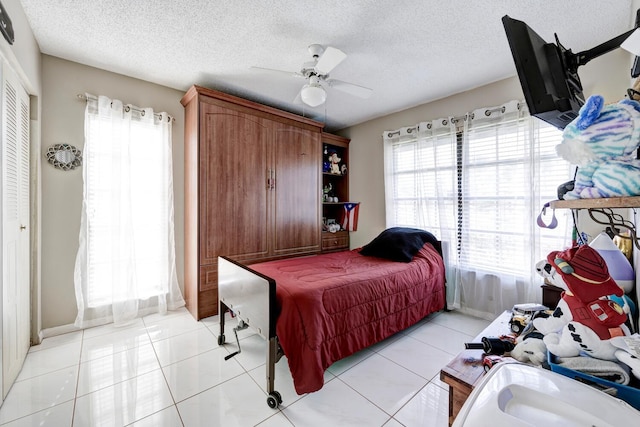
{"x": 339, "y": 188}
{"x": 611, "y": 203}
{"x": 601, "y": 212}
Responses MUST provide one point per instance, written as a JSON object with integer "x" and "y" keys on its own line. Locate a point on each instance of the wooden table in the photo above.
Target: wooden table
{"x": 464, "y": 372}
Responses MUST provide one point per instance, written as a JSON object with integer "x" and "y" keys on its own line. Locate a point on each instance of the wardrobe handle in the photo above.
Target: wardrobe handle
{"x": 271, "y": 180}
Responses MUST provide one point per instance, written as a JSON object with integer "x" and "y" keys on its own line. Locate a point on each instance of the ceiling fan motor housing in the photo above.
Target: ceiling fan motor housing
{"x": 308, "y": 71}
{"x": 315, "y": 50}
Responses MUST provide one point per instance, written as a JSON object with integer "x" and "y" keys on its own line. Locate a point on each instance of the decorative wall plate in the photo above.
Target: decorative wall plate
{"x": 64, "y": 156}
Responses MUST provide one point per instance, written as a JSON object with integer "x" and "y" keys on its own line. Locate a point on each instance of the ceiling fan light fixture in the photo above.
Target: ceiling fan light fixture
{"x": 313, "y": 95}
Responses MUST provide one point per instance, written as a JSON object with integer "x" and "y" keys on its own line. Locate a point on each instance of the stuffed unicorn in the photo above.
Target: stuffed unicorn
{"x": 602, "y": 141}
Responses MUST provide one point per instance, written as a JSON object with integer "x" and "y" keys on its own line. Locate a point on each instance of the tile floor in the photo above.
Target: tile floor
{"x": 170, "y": 371}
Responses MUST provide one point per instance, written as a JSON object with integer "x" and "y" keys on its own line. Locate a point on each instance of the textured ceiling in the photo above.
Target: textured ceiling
{"x": 409, "y": 52}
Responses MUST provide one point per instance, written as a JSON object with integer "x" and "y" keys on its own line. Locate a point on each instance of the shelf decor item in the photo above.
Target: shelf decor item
{"x": 335, "y": 163}
{"x": 350, "y": 216}
{"x": 326, "y": 190}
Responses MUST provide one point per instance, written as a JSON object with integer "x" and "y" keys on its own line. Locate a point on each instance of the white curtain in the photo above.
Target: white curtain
{"x": 125, "y": 266}
{"x": 478, "y": 182}
{"x": 510, "y": 169}
{"x": 421, "y": 186}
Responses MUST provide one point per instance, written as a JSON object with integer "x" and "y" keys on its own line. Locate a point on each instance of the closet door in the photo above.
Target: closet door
{"x": 297, "y": 214}
{"x": 15, "y": 228}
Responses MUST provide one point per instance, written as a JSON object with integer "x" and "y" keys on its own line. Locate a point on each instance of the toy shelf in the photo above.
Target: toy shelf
{"x": 601, "y": 212}
{"x": 612, "y": 203}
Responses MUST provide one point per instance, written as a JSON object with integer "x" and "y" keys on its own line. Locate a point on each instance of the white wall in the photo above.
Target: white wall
{"x": 607, "y": 76}
{"x": 24, "y": 54}
{"x": 63, "y": 122}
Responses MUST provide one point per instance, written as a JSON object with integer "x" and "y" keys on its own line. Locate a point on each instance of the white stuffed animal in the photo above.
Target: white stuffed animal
{"x": 576, "y": 338}
{"x": 335, "y": 160}
{"x": 548, "y": 323}
{"x": 594, "y": 319}
{"x": 530, "y": 348}
{"x": 630, "y": 360}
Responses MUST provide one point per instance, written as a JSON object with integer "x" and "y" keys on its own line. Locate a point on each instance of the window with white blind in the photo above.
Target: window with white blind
{"x": 479, "y": 185}
{"x": 425, "y": 173}
{"x": 508, "y": 172}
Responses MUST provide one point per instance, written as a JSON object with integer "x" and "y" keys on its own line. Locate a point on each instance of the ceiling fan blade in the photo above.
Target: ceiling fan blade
{"x": 281, "y": 72}
{"x": 329, "y": 59}
{"x": 298, "y": 98}
{"x": 350, "y": 88}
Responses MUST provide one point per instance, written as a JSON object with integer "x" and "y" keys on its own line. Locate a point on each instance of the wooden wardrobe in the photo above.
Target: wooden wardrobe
{"x": 252, "y": 188}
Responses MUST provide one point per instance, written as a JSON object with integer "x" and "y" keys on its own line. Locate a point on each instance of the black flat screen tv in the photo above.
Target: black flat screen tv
{"x": 552, "y": 90}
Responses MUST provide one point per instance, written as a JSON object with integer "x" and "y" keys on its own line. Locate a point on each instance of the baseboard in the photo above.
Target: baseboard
{"x": 58, "y": 330}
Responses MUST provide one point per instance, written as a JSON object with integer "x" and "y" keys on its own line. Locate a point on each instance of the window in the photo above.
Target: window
{"x": 126, "y": 260}
{"x": 144, "y": 185}
{"x": 478, "y": 184}
{"x": 509, "y": 171}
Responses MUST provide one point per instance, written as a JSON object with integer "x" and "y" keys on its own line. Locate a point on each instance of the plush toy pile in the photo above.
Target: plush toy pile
{"x": 602, "y": 141}
{"x": 588, "y": 329}
{"x": 588, "y": 321}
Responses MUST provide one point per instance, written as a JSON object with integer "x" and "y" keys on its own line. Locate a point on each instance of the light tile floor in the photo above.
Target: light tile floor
{"x": 170, "y": 371}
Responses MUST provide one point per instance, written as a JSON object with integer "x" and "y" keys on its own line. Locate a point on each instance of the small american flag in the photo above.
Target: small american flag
{"x": 350, "y": 216}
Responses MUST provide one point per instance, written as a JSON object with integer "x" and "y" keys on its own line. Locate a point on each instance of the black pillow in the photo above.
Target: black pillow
{"x": 398, "y": 243}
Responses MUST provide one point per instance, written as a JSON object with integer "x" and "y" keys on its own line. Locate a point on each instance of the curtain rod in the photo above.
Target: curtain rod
{"x": 83, "y": 97}
{"x": 454, "y": 120}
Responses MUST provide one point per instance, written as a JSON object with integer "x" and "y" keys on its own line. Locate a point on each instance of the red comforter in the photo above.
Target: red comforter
{"x": 333, "y": 305}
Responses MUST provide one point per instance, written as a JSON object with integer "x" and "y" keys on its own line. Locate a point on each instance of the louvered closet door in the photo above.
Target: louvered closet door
{"x": 15, "y": 227}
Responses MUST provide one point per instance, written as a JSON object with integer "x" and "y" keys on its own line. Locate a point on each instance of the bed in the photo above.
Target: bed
{"x": 319, "y": 309}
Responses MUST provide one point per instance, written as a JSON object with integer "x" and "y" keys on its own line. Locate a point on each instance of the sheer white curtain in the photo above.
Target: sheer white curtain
{"x": 125, "y": 266}
{"x": 509, "y": 170}
{"x": 421, "y": 165}
{"x": 478, "y": 183}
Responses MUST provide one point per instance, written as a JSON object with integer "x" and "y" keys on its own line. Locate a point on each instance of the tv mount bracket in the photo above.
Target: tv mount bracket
{"x": 575, "y": 60}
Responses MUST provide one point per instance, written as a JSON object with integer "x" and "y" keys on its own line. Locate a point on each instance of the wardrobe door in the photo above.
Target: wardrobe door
{"x": 297, "y": 215}
{"x": 234, "y": 184}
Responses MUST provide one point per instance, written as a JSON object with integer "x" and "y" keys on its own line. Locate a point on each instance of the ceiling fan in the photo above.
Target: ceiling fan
{"x": 316, "y": 72}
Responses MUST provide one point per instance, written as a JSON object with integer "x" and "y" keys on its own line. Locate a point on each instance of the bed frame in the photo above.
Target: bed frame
{"x": 251, "y": 297}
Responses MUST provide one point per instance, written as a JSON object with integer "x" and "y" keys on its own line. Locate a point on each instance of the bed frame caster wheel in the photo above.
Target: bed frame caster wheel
{"x": 274, "y": 400}
{"x": 220, "y": 339}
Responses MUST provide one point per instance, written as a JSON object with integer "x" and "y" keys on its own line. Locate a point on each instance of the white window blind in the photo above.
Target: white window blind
{"x": 425, "y": 172}
{"x": 509, "y": 171}
{"x": 421, "y": 171}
